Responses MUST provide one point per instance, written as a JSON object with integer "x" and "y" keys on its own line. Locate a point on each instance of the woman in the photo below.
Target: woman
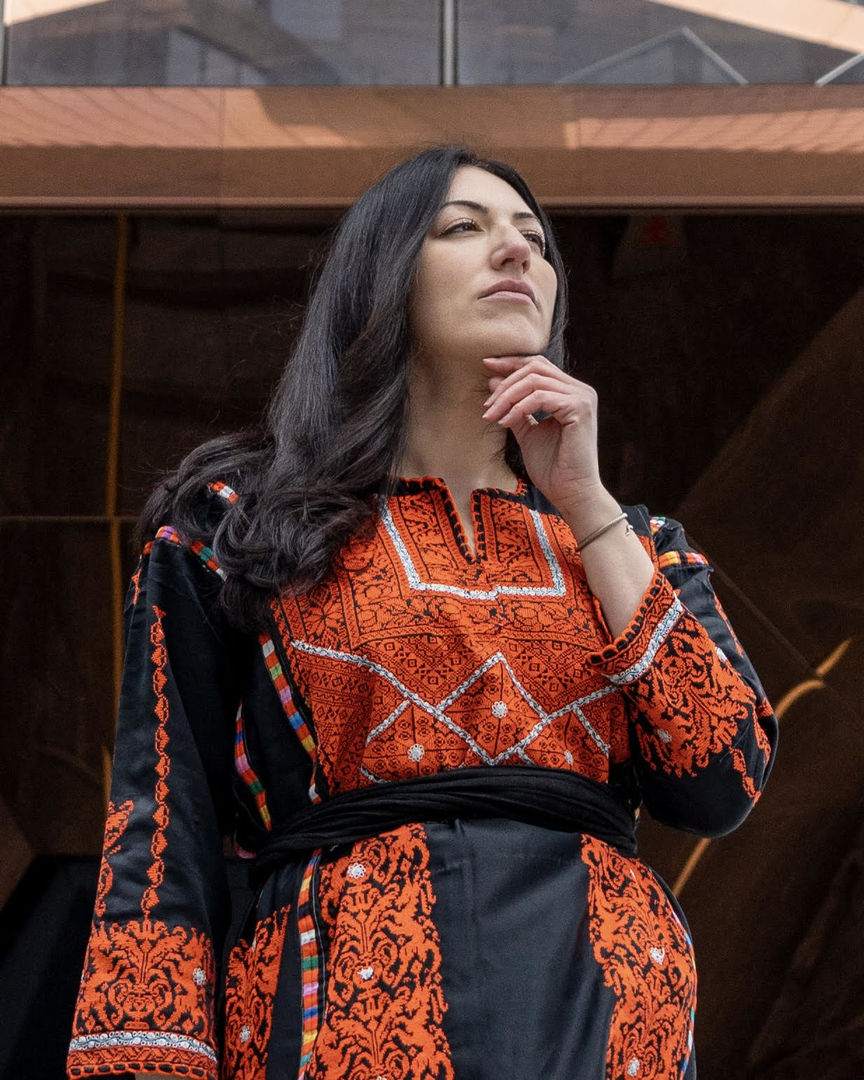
{"x": 406, "y": 647}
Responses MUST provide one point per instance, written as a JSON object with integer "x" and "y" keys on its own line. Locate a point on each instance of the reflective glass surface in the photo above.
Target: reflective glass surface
{"x": 222, "y": 42}
{"x": 594, "y": 42}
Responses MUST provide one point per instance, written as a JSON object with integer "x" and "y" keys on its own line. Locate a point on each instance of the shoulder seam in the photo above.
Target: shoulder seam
{"x": 197, "y": 547}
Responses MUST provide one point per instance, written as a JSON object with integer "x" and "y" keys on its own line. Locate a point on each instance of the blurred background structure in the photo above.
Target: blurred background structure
{"x": 170, "y": 173}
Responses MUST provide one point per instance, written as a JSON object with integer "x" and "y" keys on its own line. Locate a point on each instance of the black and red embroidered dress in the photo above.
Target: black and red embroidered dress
{"x": 461, "y": 947}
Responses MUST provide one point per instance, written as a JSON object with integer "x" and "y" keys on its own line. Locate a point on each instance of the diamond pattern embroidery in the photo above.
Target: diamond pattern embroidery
{"x": 494, "y": 739}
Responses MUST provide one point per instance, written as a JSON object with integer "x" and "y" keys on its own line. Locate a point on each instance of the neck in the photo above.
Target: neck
{"x": 447, "y": 436}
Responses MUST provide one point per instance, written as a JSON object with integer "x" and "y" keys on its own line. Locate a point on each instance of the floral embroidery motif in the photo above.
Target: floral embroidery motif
{"x": 115, "y": 826}
{"x": 696, "y": 706}
{"x": 384, "y": 1004}
{"x": 647, "y": 961}
{"x": 250, "y": 986}
{"x": 135, "y": 582}
{"x": 740, "y": 763}
{"x": 156, "y": 871}
{"x": 141, "y": 1002}
{"x": 146, "y": 998}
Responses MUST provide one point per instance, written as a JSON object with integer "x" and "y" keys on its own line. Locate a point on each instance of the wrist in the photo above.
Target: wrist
{"x": 589, "y": 510}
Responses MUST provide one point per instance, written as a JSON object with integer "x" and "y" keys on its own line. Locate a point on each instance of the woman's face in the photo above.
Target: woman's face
{"x": 482, "y": 285}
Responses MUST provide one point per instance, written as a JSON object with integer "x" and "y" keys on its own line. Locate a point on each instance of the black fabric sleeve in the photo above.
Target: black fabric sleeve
{"x": 149, "y": 984}
{"x": 703, "y": 735}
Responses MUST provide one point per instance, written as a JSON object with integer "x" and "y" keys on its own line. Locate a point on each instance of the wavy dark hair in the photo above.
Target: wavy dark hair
{"x": 335, "y": 427}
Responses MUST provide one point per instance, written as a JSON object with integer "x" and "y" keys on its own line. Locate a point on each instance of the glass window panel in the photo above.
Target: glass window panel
{"x": 56, "y": 680}
{"x": 56, "y": 322}
{"x": 211, "y": 312}
{"x": 630, "y": 41}
{"x": 850, "y": 71}
{"x": 223, "y": 42}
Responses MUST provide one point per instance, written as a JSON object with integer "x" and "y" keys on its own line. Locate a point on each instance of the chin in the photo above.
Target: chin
{"x": 514, "y": 345}
{"x": 513, "y": 337}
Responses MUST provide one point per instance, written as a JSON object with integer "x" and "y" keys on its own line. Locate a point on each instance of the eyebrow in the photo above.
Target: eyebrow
{"x": 520, "y": 215}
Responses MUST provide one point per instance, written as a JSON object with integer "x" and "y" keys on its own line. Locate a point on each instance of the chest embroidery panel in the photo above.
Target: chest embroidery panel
{"x": 415, "y": 658}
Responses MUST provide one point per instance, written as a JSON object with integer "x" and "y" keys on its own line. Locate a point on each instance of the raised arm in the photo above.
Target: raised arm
{"x": 703, "y": 734}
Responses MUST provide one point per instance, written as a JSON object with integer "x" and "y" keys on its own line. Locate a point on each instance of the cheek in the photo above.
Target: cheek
{"x": 550, "y": 292}
{"x": 427, "y": 307}
{"x": 432, "y": 296}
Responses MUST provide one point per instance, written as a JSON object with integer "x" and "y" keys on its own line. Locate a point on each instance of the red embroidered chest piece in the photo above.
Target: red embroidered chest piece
{"x": 415, "y": 657}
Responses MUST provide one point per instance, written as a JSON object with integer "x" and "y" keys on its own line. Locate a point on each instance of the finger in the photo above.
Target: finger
{"x": 532, "y": 366}
{"x": 506, "y": 366}
{"x": 506, "y": 396}
{"x": 540, "y": 401}
{"x": 519, "y": 366}
{"x": 499, "y": 363}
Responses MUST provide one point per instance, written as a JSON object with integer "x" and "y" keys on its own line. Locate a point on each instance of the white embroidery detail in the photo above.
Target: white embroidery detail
{"x": 663, "y": 735}
{"x": 499, "y": 709}
{"x": 633, "y": 1067}
{"x": 198, "y": 976}
{"x": 366, "y": 973}
{"x": 438, "y": 711}
{"x": 557, "y": 588}
{"x": 245, "y": 1033}
{"x": 167, "y": 1039}
{"x": 356, "y": 870}
{"x": 568, "y": 757}
{"x": 416, "y": 752}
{"x": 660, "y": 634}
{"x": 658, "y": 955}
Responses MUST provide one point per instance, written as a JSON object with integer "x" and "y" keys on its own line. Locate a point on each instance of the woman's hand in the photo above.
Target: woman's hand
{"x": 560, "y": 455}
{"x": 559, "y": 451}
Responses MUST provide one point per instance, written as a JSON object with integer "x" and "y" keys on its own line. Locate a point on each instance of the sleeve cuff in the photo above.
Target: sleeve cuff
{"x": 631, "y": 653}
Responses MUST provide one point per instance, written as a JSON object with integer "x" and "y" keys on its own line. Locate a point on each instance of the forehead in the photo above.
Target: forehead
{"x": 480, "y": 186}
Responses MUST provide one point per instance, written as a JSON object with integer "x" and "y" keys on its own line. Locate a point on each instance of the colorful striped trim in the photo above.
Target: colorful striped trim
{"x": 311, "y": 967}
{"x": 657, "y": 523}
{"x": 204, "y": 553}
{"x": 228, "y": 493}
{"x": 681, "y": 558}
{"x": 271, "y": 659}
{"x": 167, "y": 532}
{"x": 248, "y": 775}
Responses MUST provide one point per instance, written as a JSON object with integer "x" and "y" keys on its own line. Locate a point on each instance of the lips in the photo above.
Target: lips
{"x": 510, "y": 285}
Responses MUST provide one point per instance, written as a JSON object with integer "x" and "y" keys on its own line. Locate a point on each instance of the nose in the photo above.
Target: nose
{"x": 511, "y": 247}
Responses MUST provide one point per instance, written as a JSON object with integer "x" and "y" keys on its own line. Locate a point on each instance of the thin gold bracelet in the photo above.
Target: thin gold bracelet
{"x": 591, "y": 537}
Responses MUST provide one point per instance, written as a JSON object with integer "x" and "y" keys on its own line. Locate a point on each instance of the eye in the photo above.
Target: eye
{"x": 463, "y": 225}
{"x": 535, "y": 237}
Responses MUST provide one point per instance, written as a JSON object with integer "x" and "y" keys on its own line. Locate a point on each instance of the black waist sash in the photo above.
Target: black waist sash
{"x": 551, "y": 798}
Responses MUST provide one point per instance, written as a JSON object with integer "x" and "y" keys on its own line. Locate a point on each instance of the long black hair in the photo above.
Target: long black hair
{"x": 335, "y": 427}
